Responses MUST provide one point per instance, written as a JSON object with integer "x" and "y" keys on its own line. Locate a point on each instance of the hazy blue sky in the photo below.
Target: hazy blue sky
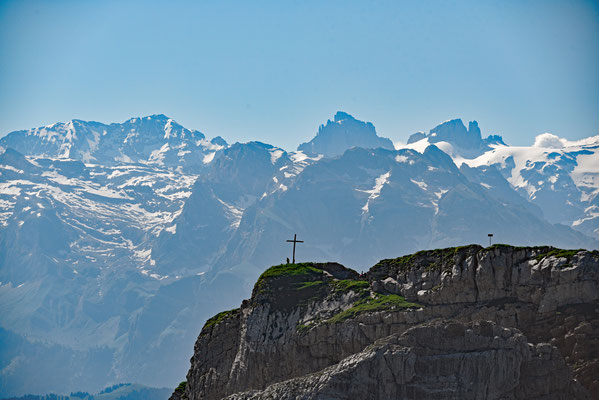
{"x": 273, "y": 71}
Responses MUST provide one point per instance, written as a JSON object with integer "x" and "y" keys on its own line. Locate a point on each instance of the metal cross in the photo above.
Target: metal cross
{"x": 294, "y": 241}
{"x": 490, "y": 235}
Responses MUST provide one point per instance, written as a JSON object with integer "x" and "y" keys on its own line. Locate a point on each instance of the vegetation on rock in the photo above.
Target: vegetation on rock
{"x": 287, "y": 270}
{"x": 377, "y": 303}
{"x": 180, "y": 390}
{"x": 348, "y": 285}
{"x": 218, "y": 318}
{"x": 558, "y": 253}
{"x": 431, "y": 260}
{"x": 305, "y": 285}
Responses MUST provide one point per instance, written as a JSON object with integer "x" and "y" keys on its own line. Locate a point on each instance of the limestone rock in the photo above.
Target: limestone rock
{"x": 441, "y": 361}
{"x": 499, "y": 322}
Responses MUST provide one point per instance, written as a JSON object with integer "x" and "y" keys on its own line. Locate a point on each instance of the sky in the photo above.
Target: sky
{"x": 274, "y": 71}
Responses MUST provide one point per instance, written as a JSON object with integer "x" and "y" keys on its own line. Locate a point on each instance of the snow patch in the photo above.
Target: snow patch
{"x": 440, "y": 193}
{"x": 275, "y": 154}
{"x": 11, "y": 168}
{"x": 233, "y": 213}
{"x": 420, "y": 184}
{"x": 404, "y": 159}
{"x": 123, "y": 158}
{"x": 376, "y": 190}
{"x": 208, "y": 158}
{"x": 10, "y": 188}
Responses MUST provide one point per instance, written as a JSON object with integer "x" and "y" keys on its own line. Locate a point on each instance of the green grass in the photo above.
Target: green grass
{"x": 181, "y": 389}
{"x": 305, "y": 285}
{"x": 284, "y": 270}
{"x": 568, "y": 254}
{"x": 506, "y": 246}
{"x": 288, "y": 270}
{"x": 347, "y": 285}
{"x": 301, "y": 328}
{"x": 443, "y": 259}
{"x": 218, "y": 318}
{"x": 378, "y": 303}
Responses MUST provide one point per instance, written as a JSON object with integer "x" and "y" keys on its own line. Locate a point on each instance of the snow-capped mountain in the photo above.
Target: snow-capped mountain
{"x": 117, "y": 241}
{"x": 560, "y": 177}
{"x": 154, "y": 140}
{"x": 240, "y": 176}
{"x": 563, "y": 181}
{"x": 455, "y": 139}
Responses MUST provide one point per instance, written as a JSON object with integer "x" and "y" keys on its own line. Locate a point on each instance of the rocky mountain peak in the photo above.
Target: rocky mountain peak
{"x": 219, "y": 141}
{"x": 495, "y": 139}
{"x": 455, "y": 132}
{"x": 343, "y": 133}
{"x": 341, "y": 115}
{"x": 466, "y": 141}
{"x": 155, "y": 139}
{"x": 415, "y": 137}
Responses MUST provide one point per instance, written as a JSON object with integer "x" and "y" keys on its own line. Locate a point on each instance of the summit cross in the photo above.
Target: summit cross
{"x": 294, "y": 241}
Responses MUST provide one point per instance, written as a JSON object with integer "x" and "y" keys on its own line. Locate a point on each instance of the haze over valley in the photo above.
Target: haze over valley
{"x": 118, "y": 241}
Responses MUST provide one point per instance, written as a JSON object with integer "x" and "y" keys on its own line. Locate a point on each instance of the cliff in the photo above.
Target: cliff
{"x": 468, "y": 322}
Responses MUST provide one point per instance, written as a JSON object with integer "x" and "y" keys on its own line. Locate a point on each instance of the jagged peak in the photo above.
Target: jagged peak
{"x": 455, "y": 121}
{"x": 342, "y": 115}
{"x": 415, "y": 137}
{"x": 495, "y": 139}
{"x": 343, "y": 133}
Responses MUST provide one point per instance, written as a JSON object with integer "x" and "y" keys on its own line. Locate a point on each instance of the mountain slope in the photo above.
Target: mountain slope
{"x": 559, "y": 177}
{"x": 371, "y": 203}
{"x": 563, "y": 182}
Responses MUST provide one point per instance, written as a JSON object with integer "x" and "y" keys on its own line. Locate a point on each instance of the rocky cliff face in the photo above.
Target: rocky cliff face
{"x": 439, "y": 360}
{"x": 468, "y": 322}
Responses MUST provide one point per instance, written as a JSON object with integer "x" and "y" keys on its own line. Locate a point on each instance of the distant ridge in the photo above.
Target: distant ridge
{"x": 121, "y": 391}
{"x": 155, "y": 139}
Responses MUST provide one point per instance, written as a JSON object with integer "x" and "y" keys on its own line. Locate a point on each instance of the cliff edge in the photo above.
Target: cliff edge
{"x": 499, "y": 323}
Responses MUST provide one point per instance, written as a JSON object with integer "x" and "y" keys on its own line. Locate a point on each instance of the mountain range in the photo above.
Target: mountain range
{"x": 117, "y": 241}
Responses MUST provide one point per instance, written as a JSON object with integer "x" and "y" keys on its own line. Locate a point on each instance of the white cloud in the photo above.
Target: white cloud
{"x": 549, "y": 140}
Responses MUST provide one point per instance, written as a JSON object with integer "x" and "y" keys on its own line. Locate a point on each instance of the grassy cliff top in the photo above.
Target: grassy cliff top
{"x": 287, "y": 286}
{"x": 444, "y": 259}
{"x": 286, "y": 270}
